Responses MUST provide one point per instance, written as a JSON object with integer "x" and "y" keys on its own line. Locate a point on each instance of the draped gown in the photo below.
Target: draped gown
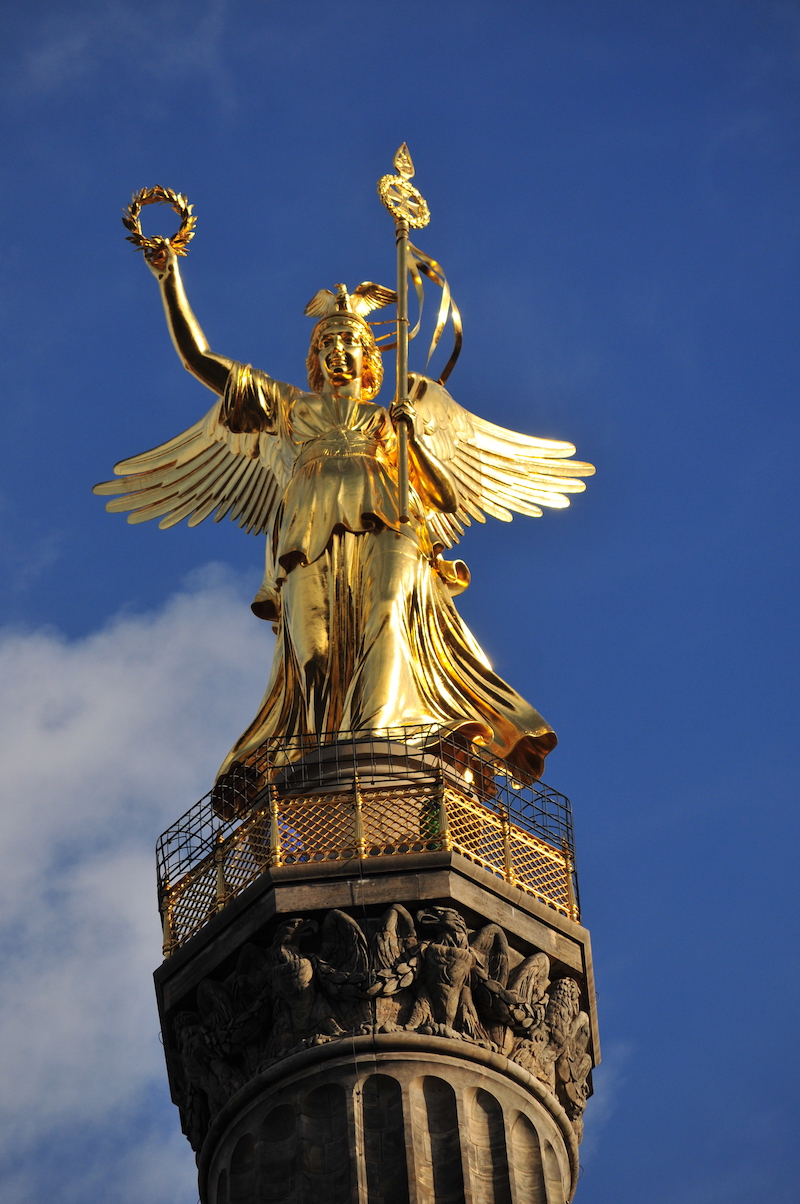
{"x": 367, "y": 634}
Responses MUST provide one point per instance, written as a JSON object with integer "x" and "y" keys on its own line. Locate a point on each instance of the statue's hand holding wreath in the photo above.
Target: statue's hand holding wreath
{"x": 160, "y": 253}
{"x": 161, "y": 258}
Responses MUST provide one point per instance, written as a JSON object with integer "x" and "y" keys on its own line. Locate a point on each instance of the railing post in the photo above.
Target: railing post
{"x": 508, "y": 867}
{"x": 219, "y": 857}
{"x": 168, "y": 943}
{"x": 569, "y": 869}
{"x": 361, "y": 847}
{"x": 274, "y": 827}
{"x": 444, "y": 826}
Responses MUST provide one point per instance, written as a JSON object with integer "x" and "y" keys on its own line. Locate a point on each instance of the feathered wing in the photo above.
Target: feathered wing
{"x": 394, "y": 946}
{"x": 364, "y": 299}
{"x": 531, "y": 978}
{"x": 323, "y": 302}
{"x": 369, "y": 296}
{"x": 495, "y": 470}
{"x": 491, "y": 944}
{"x": 205, "y": 469}
{"x": 343, "y": 957}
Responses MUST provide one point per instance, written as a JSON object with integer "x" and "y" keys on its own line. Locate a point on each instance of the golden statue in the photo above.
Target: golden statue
{"x": 358, "y": 502}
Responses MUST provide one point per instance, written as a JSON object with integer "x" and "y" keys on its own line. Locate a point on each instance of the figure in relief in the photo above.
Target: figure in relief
{"x": 315, "y": 983}
{"x": 361, "y": 599}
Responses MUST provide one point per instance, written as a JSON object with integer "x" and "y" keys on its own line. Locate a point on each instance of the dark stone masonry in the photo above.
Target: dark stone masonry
{"x": 403, "y": 1028}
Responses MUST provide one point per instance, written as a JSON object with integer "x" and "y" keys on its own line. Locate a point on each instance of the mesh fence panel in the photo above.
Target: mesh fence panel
{"x": 542, "y": 871}
{"x": 192, "y": 904}
{"x": 240, "y": 865}
{"x": 400, "y": 820}
{"x": 317, "y": 828}
{"x": 475, "y": 832}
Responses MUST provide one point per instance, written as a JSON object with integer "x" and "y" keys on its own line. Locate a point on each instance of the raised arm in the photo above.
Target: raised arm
{"x": 187, "y": 335}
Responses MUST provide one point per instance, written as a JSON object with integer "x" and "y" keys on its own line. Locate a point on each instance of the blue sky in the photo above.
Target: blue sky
{"x": 614, "y": 189}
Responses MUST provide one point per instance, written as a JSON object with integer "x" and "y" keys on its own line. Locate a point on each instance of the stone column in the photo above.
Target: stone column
{"x": 382, "y": 1030}
{"x": 391, "y": 1119}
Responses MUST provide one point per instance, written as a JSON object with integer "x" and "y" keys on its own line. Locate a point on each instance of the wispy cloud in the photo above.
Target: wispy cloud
{"x": 169, "y": 42}
{"x": 608, "y": 1080}
{"x": 23, "y": 564}
{"x": 103, "y": 741}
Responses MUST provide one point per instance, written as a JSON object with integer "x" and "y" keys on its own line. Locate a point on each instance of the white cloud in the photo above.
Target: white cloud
{"x": 104, "y": 741}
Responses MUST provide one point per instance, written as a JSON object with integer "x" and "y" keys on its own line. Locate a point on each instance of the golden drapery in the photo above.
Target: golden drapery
{"x": 367, "y": 633}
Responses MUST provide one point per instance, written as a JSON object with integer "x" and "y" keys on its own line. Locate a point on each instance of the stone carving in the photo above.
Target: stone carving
{"x": 557, "y": 1051}
{"x": 316, "y": 983}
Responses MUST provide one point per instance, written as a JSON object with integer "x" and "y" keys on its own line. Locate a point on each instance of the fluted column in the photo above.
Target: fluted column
{"x": 393, "y": 1119}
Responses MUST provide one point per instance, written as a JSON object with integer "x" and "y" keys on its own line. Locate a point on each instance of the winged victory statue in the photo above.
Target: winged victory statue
{"x": 358, "y": 591}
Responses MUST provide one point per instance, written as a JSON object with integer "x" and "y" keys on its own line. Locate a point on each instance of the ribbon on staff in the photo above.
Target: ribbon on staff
{"x": 419, "y": 265}
{"x": 422, "y": 263}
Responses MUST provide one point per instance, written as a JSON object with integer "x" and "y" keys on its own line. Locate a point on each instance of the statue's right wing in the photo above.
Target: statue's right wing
{"x": 204, "y": 470}
{"x": 495, "y": 470}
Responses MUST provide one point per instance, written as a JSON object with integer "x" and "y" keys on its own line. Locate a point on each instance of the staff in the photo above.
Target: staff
{"x": 409, "y": 210}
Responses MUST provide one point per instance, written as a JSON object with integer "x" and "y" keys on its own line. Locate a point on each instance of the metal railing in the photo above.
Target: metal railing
{"x": 364, "y": 795}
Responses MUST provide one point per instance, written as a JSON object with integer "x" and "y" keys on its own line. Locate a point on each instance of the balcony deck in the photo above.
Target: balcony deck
{"x": 357, "y": 797}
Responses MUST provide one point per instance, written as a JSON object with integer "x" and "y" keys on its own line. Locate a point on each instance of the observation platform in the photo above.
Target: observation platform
{"x": 404, "y": 792}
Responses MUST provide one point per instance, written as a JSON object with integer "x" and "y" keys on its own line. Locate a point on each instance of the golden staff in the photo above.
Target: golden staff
{"x": 409, "y": 210}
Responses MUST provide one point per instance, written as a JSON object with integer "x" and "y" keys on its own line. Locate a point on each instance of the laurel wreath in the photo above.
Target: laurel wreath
{"x": 403, "y": 200}
{"x": 159, "y": 196}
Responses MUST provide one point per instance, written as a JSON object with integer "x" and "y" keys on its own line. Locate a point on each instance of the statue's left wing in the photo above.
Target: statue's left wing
{"x": 205, "y": 469}
{"x": 495, "y": 470}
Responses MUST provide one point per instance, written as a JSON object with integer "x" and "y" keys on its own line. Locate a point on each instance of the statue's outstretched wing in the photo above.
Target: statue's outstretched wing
{"x": 495, "y": 470}
{"x": 205, "y": 469}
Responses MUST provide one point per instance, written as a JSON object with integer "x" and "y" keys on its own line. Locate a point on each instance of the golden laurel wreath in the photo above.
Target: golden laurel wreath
{"x": 152, "y": 247}
{"x": 402, "y": 199}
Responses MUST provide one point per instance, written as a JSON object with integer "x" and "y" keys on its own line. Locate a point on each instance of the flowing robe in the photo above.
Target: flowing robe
{"x": 367, "y": 633}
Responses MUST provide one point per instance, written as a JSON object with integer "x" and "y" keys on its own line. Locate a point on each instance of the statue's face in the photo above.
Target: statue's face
{"x": 341, "y": 355}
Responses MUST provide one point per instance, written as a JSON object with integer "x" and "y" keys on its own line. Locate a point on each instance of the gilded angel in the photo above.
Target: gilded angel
{"x": 367, "y": 634}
